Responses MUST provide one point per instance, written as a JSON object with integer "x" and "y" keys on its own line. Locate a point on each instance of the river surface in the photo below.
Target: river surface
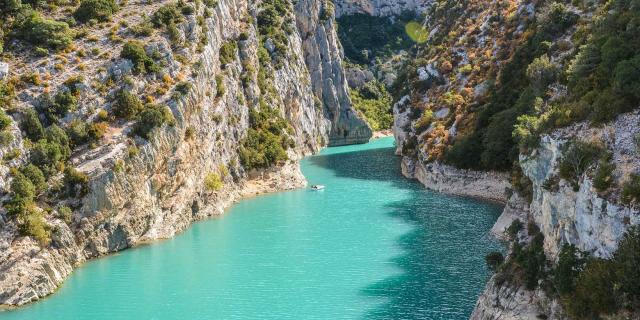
{"x": 372, "y": 245}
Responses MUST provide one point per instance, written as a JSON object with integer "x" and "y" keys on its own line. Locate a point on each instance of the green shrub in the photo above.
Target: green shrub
{"x": 577, "y": 157}
{"x": 32, "y": 126}
{"x": 153, "y": 116}
{"x": 494, "y": 260}
{"x": 631, "y": 190}
{"x": 58, "y": 136}
{"x": 142, "y": 63}
{"x": 228, "y": 52}
{"x": 465, "y": 152}
{"x": 58, "y": 106}
{"x": 22, "y": 187}
{"x": 76, "y": 183}
{"x": 50, "y": 154}
{"x": 213, "y": 182}
{"x": 34, "y": 225}
{"x": 126, "y": 105}
{"x": 5, "y": 120}
{"x": 570, "y": 263}
{"x": 542, "y": 72}
{"x": 220, "y": 88}
{"x": 211, "y": 3}
{"x": 603, "y": 178}
{"x": 266, "y": 141}
{"x": 182, "y": 89}
{"x": 594, "y": 292}
{"x": 30, "y": 26}
{"x": 65, "y": 214}
{"x": 374, "y": 102}
{"x": 77, "y": 132}
{"x": 35, "y": 175}
{"x": 143, "y": 29}
{"x": 513, "y": 229}
{"x": 100, "y": 10}
{"x": 627, "y": 271}
{"x": 167, "y": 15}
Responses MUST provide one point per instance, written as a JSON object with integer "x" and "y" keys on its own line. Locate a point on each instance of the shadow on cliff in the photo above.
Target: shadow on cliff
{"x": 441, "y": 269}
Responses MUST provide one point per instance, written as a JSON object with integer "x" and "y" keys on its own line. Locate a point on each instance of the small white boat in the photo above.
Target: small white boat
{"x": 317, "y": 187}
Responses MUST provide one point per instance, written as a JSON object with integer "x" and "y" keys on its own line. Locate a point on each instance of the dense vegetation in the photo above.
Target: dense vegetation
{"x": 592, "y": 287}
{"x": 365, "y": 37}
{"x": 274, "y": 24}
{"x": 491, "y": 145}
{"x": 98, "y": 10}
{"x": 267, "y": 140}
{"x": 374, "y": 102}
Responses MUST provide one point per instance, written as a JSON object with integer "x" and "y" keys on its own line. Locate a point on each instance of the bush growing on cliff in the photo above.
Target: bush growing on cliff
{"x": 631, "y": 190}
{"x": 266, "y": 141}
{"x": 34, "y": 225}
{"x": 32, "y": 27}
{"x": 570, "y": 263}
{"x": 153, "y": 116}
{"x": 32, "y": 126}
{"x": 220, "y": 88}
{"x": 494, "y": 260}
{"x": 592, "y": 287}
{"x": 228, "y": 52}
{"x": 213, "y": 182}
{"x": 35, "y": 175}
{"x": 58, "y": 106}
{"x": 142, "y": 63}
{"x": 76, "y": 183}
{"x": 577, "y": 157}
{"x": 126, "y": 105}
{"x": 374, "y": 102}
{"x": 167, "y": 15}
{"x": 603, "y": 178}
{"x": 100, "y": 10}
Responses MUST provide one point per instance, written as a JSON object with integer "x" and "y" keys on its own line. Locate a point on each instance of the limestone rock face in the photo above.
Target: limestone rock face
{"x": 160, "y": 191}
{"x": 591, "y": 221}
{"x": 323, "y": 56}
{"x": 504, "y": 302}
{"x": 380, "y": 7}
{"x": 443, "y": 178}
{"x": 4, "y": 70}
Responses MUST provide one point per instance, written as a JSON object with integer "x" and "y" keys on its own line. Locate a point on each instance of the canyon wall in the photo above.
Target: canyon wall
{"x": 159, "y": 191}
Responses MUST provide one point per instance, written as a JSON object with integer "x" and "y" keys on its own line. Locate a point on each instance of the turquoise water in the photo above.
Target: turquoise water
{"x": 372, "y": 245}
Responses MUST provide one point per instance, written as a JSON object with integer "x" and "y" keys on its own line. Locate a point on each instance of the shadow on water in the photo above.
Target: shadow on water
{"x": 442, "y": 269}
{"x": 372, "y": 164}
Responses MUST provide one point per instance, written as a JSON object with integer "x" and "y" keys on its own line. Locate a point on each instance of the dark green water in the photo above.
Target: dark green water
{"x": 372, "y": 245}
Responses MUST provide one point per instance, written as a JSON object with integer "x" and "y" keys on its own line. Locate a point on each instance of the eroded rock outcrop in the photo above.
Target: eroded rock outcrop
{"x": 323, "y": 57}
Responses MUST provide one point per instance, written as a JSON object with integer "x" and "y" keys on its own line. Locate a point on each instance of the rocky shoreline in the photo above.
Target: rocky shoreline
{"x": 38, "y": 276}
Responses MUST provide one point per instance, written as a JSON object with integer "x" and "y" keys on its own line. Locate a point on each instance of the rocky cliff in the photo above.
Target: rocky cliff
{"x": 158, "y": 190}
{"x": 593, "y": 221}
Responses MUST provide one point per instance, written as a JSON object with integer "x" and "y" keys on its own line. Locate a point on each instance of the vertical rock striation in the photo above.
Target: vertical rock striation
{"x": 323, "y": 57}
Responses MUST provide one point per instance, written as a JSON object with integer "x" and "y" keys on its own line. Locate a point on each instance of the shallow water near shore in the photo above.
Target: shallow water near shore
{"x": 372, "y": 245}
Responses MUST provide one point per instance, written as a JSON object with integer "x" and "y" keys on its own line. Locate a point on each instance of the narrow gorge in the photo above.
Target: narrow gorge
{"x": 124, "y": 122}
